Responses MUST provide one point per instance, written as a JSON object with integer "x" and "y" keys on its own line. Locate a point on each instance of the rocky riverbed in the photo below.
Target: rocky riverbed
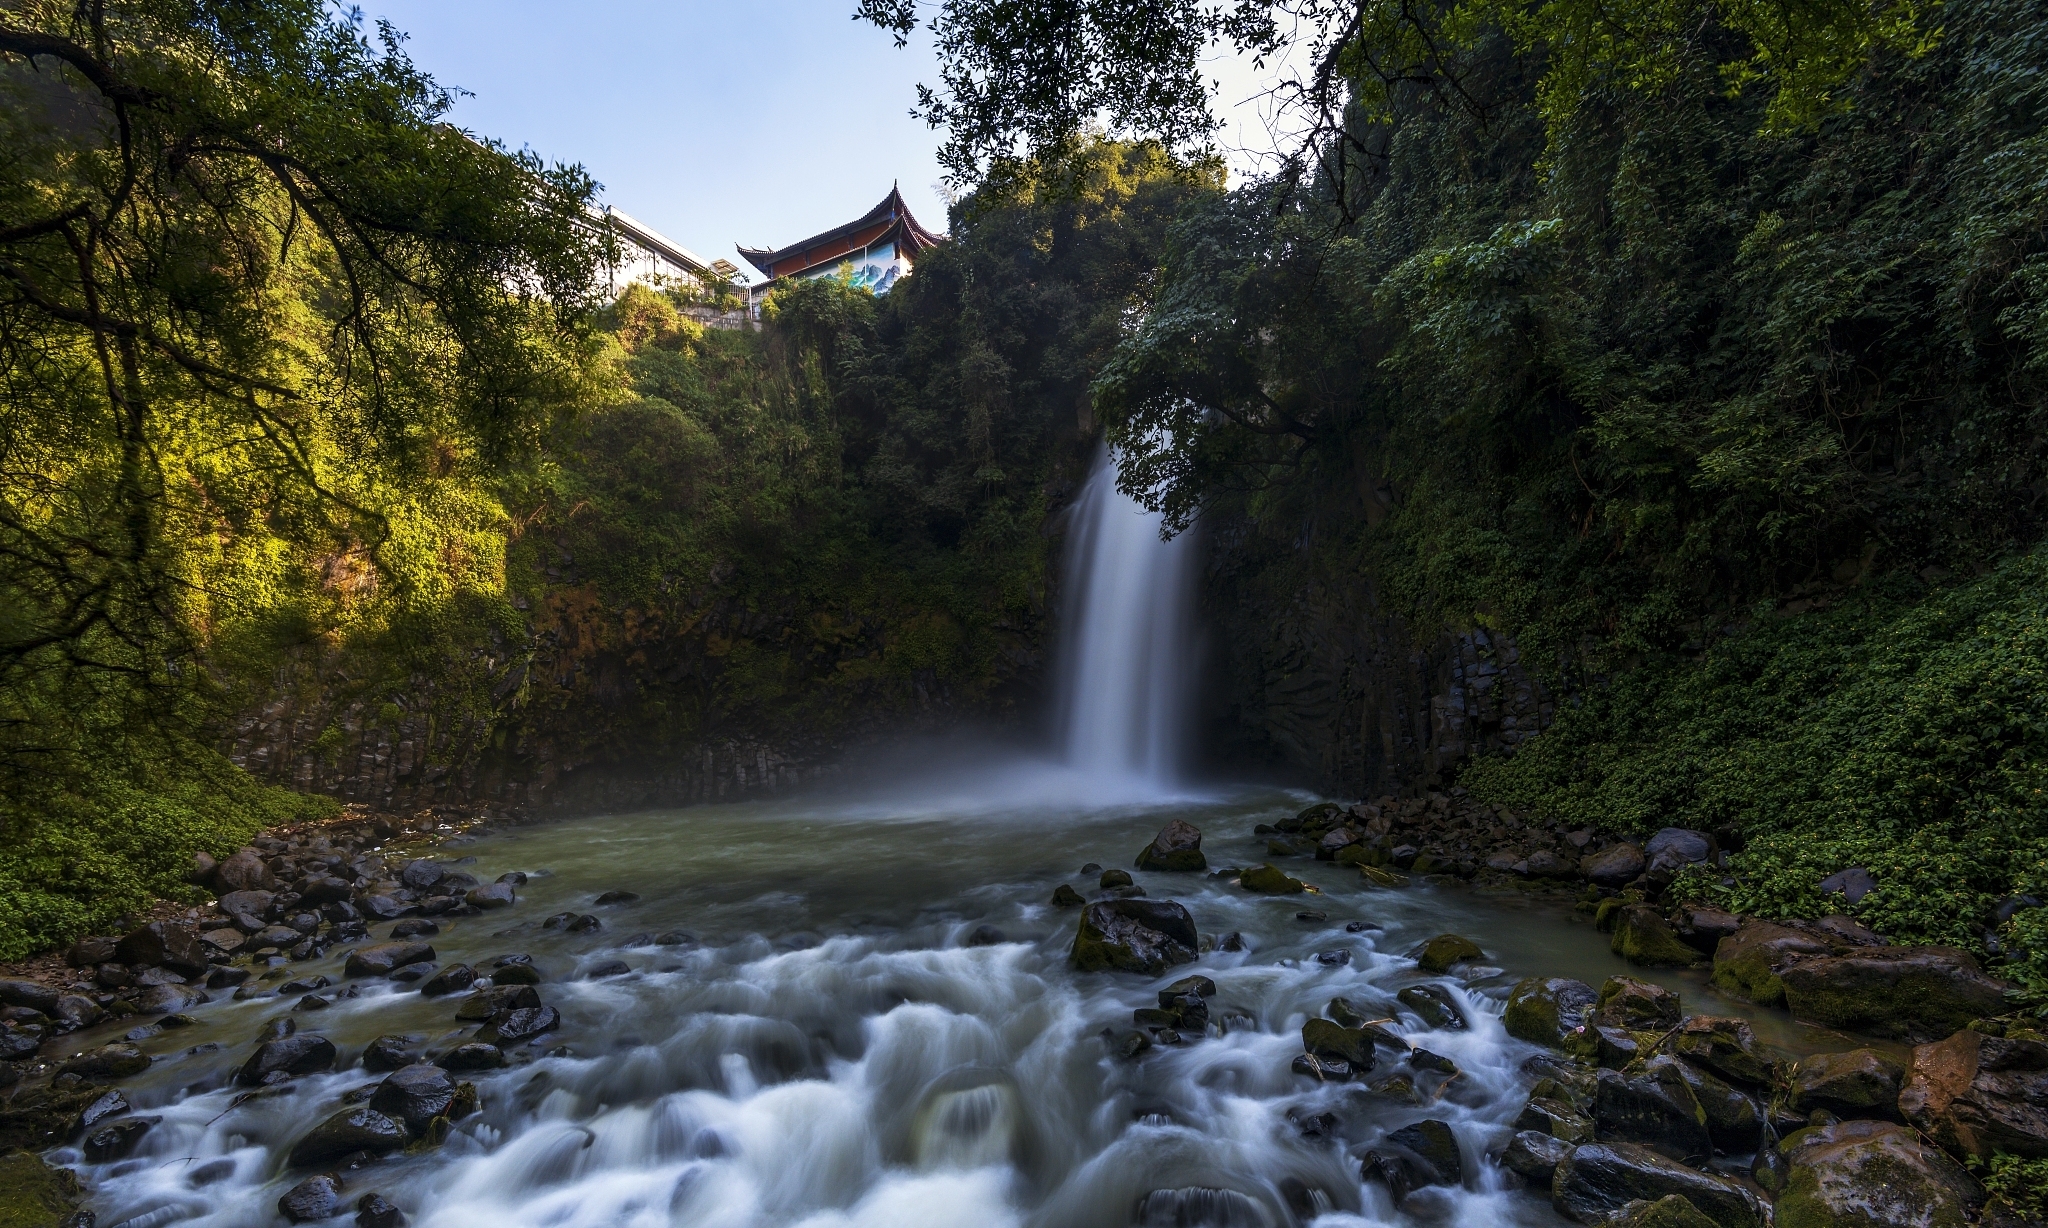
{"x": 904, "y": 1010}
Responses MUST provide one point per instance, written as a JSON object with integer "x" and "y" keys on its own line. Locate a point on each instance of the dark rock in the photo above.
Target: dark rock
{"x": 1656, "y": 1108}
{"x": 416, "y": 1095}
{"x": 1325, "y": 1039}
{"x": 1614, "y": 867}
{"x": 34, "y": 995}
{"x": 515, "y": 974}
{"x": 1423, "y": 1059}
{"x": 1908, "y": 993}
{"x": 1556, "y": 1117}
{"x": 1441, "y": 953}
{"x": 315, "y": 1198}
{"x": 618, "y": 897}
{"x": 1333, "y": 959}
{"x": 1435, "y": 1004}
{"x": 1643, "y": 937}
{"x": 1670, "y": 1211}
{"x": 283, "y": 937}
{"x": 1626, "y": 1002}
{"x": 985, "y": 936}
{"x": 19, "y": 1043}
{"x": 117, "y": 1139}
{"x": 1535, "y": 1156}
{"x": 303, "y": 985}
{"x": 227, "y": 940}
{"x": 455, "y": 978}
{"x": 1231, "y": 943}
{"x": 1734, "y": 1121}
{"x": 321, "y": 889}
{"x": 390, "y": 1052}
{"x": 1544, "y": 1010}
{"x": 1322, "y": 1069}
{"x": 573, "y": 923}
{"x": 1977, "y": 1094}
{"x": 487, "y": 1002}
{"x": 1114, "y": 878}
{"x": 170, "y": 944}
{"x": 168, "y": 999}
{"x": 1064, "y": 896}
{"x": 1312, "y": 915}
{"x": 474, "y": 1056}
{"x": 109, "y": 1104}
{"x": 605, "y": 968}
{"x": 1432, "y": 1142}
{"x": 351, "y": 1130}
{"x": 414, "y": 973}
{"x": 115, "y": 1061}
{"x": 1266, "y": 880}
{"x": 1855, "y": 1173}
{"x": 1335, "y": 842}
{"x": 226, "y": 978}
{"x": 1725, "y": 1045}
{"x": 512, "y": 1026}
{"x": 244, "y": 871}
{"x": 247, "y": 903}
{"x": 302, "y": 1054}
{"x": 1702, "y": 926}
{"x": 1178, "y": 846}
{"x": 375, "y": 1211}
{"x": 415, "y": 927}
{"x": 1599, "y": 1179}
{"x": 385, "y": 906}
{"x": 1851, "y": 884}
{"x": 1747, "y": 962}
{"x": 422, "y": 874}
{"x": 1859, "y": 1083}
{"x": 1675, "y": 848}
{"x": 496, "y": 895}
{"x": 90, "y": 952}
{"x": 1146, "y": 936}
{"x": 381, "y": 959}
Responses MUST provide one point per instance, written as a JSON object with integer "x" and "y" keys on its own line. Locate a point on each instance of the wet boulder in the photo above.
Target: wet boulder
{"x": 252, "y": 904}
{"x": 116, "y": 1139}
{"x": 376, "y": 1211}
{"x": 1702, "y": 926}
{"x": 1725, "y": 1045}
{"x": 1613, "y": 867}
{"x": 1643, "y": 937}
{"x": 1654, "y": 1106}
{"x": 1675, "y": 848}
{"x": 1556, "y": 1117}
{"x": 385, "y": 957}
{"x": 1638, "y": 1005}
{"x": 423, "y": 874}
{"x": 317, "y": 889}
{"x": 1747, "y": 962}
{"x": 1147, "y": 936}
{"x": 1907, "y": 993}
{"x": 1434, "y": 1004}
{"x": 1445, "y": 951}
{"x": 484, "y": 1003}
{"x": 1267, "y": 880}
{"x": 1432, "y": 1142}
{"x": 1599, "y": 1179}
{"x": 1064, "y": 896}
{"x": 1977, "y": 1094}
{"x": 416, "y": 1095}
{"x": 1670, "y": 1211}
{"x": 1335, "y": 842}
{"x": 390, "y": 1052}
{"x": 1112, "y": 879}
{"x": 315, "y": 1198}
{"x": 1325, "y": 1039}
{"x": 1858, "y": 1083}
{"x": 115, "y": 1061}
{"x": 523, "y": 973}
{"x": 166, "y": 944}
{"x": 1735, "y": 1122}
{"x": 276, "y": 1060}
{"x": 494, "y": 895}
{"x": 1856, "y": 1173}
{"x": 1534, "y": 1156}
{"x": 513, "y": 1026}
{"x": 33, "y": 995}
{"x": 455, "y": 978}
{"x": 355, "y": 1129}
{"x": 1178, "y": 846}
{"x": 473, "y": 1056}
{"x": 168, "y": 999}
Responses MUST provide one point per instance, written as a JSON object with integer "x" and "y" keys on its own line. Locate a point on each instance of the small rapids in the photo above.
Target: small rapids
{"x": 841, "y": 1042}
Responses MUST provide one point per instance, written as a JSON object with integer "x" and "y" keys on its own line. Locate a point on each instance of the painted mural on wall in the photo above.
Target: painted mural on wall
{"x": 874, "y": 270}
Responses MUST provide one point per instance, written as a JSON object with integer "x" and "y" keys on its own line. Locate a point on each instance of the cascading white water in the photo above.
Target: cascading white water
{"x": 1128, "y": 657}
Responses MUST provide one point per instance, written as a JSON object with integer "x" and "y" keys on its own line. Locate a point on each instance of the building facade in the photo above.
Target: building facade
{"x": 879, "y": 247}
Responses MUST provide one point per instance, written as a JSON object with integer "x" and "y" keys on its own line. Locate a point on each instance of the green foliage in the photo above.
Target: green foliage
{"x": 2018, "y": 1188}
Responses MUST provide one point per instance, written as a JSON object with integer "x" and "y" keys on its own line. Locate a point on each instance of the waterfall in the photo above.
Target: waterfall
{"x": 1127, "y": 653}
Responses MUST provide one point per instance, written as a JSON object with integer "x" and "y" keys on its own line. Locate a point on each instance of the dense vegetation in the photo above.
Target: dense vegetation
{"x": 310, "y": 397}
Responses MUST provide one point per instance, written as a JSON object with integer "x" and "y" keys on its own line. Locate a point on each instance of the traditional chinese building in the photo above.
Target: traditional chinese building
{"x": 880, "y": 246}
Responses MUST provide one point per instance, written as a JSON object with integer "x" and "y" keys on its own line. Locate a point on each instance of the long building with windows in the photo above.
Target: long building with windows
{"x": 880, "y": 248}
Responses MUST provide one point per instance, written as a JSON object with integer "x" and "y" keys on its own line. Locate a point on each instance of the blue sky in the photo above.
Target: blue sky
{"x": 717, "y": 123}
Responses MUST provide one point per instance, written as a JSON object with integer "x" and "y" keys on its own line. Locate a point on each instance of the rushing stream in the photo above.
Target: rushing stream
{"x": 829, "y": 1048}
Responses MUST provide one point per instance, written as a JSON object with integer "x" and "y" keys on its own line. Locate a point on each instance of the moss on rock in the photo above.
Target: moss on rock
{"x": 1268, "y": 880}
{"x": 34, "y": 1195}
{"x": 1440, "y": 953}
{"x": 1643, "y": 938}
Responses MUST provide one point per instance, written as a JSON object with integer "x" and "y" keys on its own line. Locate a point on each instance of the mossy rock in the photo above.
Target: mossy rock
{"x": 1544, "y": 1010}
{"x": 34, "y": 1195}
{"x": 1606, "y": 913}
{"x": 1645, "y": 939}
{"x": 1327, "y": 1039}
{"x": 1379, "y": 876}
{"x": 1855, "y": 1174}
{"x": 1442, "y": 952}
{"x": 1746, "y": 962}
{"x": 1320, "y": 812}
{"x": 1670, "y": 1211}
{"x": 1267, "y": 880}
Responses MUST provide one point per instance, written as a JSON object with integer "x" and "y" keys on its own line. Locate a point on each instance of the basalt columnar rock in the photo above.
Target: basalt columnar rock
{"x": 1137, "y": 935}
{"x": 1870, "y": 1173}
{"x": 1977, "y": 1094}
{"x": 1599, "y": 1179}
{"x": 1545, "y": 1010}
{"x": 1178, "y": 846}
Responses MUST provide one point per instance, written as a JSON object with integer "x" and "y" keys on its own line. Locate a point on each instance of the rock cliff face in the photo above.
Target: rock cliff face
{"x": 1311, "y": 671}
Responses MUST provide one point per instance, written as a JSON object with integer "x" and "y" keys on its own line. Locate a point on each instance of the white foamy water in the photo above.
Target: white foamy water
{"x": 1128, "y": 656}
{"x": 831, "y": 1053}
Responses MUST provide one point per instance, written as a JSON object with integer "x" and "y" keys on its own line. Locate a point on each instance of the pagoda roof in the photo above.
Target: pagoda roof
{"x": 890, "y": 221}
